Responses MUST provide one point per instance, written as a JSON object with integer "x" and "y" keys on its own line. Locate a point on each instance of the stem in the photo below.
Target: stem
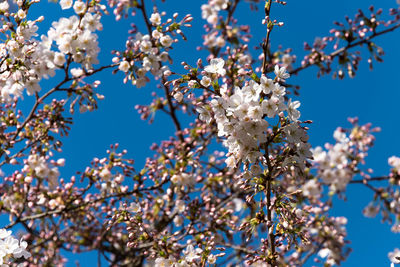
{"x": 365, "y": 181}
{"x": 172, "y": 109}
{"x": 224, "y": 31}
{"x": 231, "y": 11}
{"x": 172, "y": 112}
{"x": 271, "y": 234}
{"x": 266, "y": 41}
{"x": 56, "y": 88}
{"x": 71, "y": 208}
{"x": 146, "y": 20}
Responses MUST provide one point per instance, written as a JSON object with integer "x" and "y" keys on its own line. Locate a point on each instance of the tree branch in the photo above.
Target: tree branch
{"x": 347, "y": 47}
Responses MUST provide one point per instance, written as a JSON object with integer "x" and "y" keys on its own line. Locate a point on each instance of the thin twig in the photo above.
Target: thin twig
{"x": 347, "y": 47}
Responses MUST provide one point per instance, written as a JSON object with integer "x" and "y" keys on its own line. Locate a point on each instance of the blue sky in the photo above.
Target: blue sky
{"x": 372, "y": 96}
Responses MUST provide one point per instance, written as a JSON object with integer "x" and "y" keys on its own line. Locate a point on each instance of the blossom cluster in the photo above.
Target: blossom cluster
{"x": 331, "y": 251}
{"x": 387, "y": 200}
{"x": 75, "y": 38}
{"x": 30, "y": 60}
{"x": 334, "y": 164}
{"x": 220, "y": 30}
{"x": 11, "y": 248}
{"x": 191, "y": 256}
{"x": 25, "y": 66}
{"x": 38, "y": 166}
{"x": 210, "y": 11}
{"x": 339, "y": 163}
{"x": 151, "y": 59}
{"x": 240, "y": 117}
{"x": 151, "y": 46}
{"x": 109, "y": 182}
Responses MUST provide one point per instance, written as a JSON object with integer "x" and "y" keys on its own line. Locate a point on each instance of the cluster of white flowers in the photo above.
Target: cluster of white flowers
{"x": 210, "y": 11}
{"x": 287, "y": 61}
{"x": 152, "y": 58}
{"x": 311, "y": 189}
{"x": 75, "y": 37}
{"x": 79, "y": 6}
{"x": 19, "y": 71}
{"x": 11, "y": 248}
{"x": 38, "y": 166}
{"x": 241, "y": 116}
{"x": 331, "y": 252}
{"x": 212, "y": 40}
{"x": 333, "y": 165}
{"x": 31, "y": 60}
{"x": 192, "y": 255}
{"x": 4, "y": 6}
{"x": 109, "y": 182}
{"x": 113, "y": 185}
{"x": 183, "y": 179}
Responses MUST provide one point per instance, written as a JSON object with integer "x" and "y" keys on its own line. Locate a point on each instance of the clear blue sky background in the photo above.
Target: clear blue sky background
{"x": 372, "y": 96}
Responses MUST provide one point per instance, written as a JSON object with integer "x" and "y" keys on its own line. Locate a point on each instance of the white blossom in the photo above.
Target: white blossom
{"x": 394, "y": 256}
{"x": 178, "y": 96}
{"x": 205, "y": 81}
{"x": 166, "y": 41}
{"x": 371, "y": 210}
{"x": 134, "y": 207}
{"x": 66, "y": 4}
{"x": 21, "y": 250}
{"x": 105, "y": 174}
{"x": 4, "y": 6}
{"x": 394, "y": 162}
{"x": 185, "y": 179}
{"x": 124, "y": 66}
{"x": 281, "y": 73}
{"x": 205, "y": 114}
{"x": 4, "y": 233}
{"x": 155, "y": 19}
{"x": 163, "y": 262}
{"x": 9, "y": 245}
{"x": 192, "y": 254}
{"x": 311, "y": 189}
{"x": 79, "y": 7}
{"x": 21, "y": 14}
{"x": 211, "y": 259}
{"x": 216, "y": 66}
{"x": 59, "y": 59}
{"x": 293, "y": 113}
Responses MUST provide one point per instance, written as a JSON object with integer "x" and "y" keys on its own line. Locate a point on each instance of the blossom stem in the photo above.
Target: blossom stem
{"x": 265, "y": 44}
